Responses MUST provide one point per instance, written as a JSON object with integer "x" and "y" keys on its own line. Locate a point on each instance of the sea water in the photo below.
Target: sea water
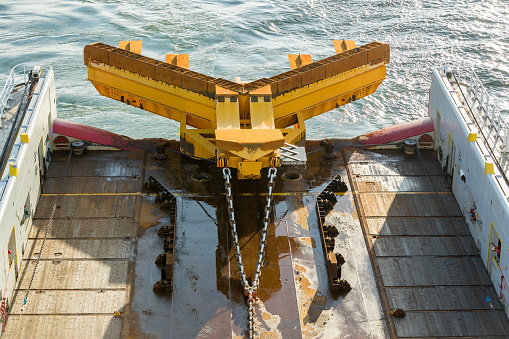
{"x": 252, "y": 40}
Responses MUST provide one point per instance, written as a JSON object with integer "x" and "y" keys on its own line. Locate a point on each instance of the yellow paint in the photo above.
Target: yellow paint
{"x": 284, "y": 194}
{"x": 489, "y": 168}
{"x": 496, "y": 263}
{"x": 200, "y": 146}
{"x": 343, "y": 45}
{"x": 88, "y": 194}
{"x": 453, "y": 156}
{"x": 262, "y": 114}
{"x": 299, "y": 60}
{"x": 322, "y": 96}
{"x": 131, "y": 46}
{"x": 227, "y": 112}
{"x": 181, "y": 60}
{"x": 296, "y": 134}
{"x": 13, "y": 169}
{"x": 24, "y": 138}
{"x": 490, "y": 252}
{"x": 472, "y": 137}
{"x": 160, "y": 98}
{"x": 43, "y": 148}
{"x": 239, "y": 124}
{"x": 233, "y": 160}
{"x": 256, "y": 144}
{"x": 249, "y": 170}
{"x": 249, "y": 144}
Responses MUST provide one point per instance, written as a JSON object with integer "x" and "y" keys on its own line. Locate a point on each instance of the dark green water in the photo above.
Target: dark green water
{"x": 252, "y": 40}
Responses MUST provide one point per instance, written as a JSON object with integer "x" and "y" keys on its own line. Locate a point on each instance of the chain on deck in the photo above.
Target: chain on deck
{"x": 249, "y": 290}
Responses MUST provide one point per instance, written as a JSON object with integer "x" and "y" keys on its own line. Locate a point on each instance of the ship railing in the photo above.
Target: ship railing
{"x": 19, "y": 75}
{"x": 490, "y": 121}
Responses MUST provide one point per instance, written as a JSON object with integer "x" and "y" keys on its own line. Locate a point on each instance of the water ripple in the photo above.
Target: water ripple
{"x": 252, "y": 39}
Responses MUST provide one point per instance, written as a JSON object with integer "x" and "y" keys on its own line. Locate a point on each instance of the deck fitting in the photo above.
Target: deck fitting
{"x": 160, "y": 154}
{"x": 166, "y": 259}
{"x": 329, "y": 149}
{"x": 324, "y": 204}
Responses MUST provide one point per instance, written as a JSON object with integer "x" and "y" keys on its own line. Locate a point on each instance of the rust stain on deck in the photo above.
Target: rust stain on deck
{"x": 294, "y": 298}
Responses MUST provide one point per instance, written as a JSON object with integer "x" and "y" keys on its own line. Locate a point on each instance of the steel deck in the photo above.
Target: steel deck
{"x": 100, "y": 253}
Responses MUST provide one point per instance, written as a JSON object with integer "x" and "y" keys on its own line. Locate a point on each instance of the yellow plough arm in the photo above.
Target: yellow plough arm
{"x": 243, "y": 125}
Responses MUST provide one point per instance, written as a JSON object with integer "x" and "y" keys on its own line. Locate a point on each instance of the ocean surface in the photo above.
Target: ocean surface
{"x": 252, "y": 40}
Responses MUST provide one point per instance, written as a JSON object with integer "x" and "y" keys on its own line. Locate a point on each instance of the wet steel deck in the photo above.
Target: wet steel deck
{"x": 419, "y": 243}
{"x": 100, "y": 253}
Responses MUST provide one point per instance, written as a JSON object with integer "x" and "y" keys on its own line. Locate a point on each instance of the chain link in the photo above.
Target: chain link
{"x": 249, "y": 290}
{"x": 266, "y": 221}
{"x": 233, "y": 225}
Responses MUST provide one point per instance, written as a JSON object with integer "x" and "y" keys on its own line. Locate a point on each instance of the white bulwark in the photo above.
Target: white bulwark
{"x": 27, "y": 107}
{"x": 471, "y": 141}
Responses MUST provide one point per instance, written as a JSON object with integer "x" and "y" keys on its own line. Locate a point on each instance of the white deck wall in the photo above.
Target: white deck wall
{"x": 489, "y": 192}
{"x": 37, "y": 123}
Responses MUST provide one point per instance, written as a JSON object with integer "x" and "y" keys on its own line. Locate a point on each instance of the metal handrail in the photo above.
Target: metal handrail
{"x": 475, "y": 89}
{"x": 19, "y": 75}
{"x": 16, "y": 77}
{"x": 492, "y": 125}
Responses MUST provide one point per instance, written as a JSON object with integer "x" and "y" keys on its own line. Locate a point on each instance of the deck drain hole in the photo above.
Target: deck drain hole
{"x": 56, "y": 262}
{"x": 201, "y": 176}
{"x": 57, "y": 254}
{"x": 292, "y": 176}
{"x": 135, "y": 177}
{"x": 35, "y": 254}
{"x": 374, "y": 237}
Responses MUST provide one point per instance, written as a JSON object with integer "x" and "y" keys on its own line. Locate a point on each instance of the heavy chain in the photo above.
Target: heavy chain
{"x": 249, "y": 290}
